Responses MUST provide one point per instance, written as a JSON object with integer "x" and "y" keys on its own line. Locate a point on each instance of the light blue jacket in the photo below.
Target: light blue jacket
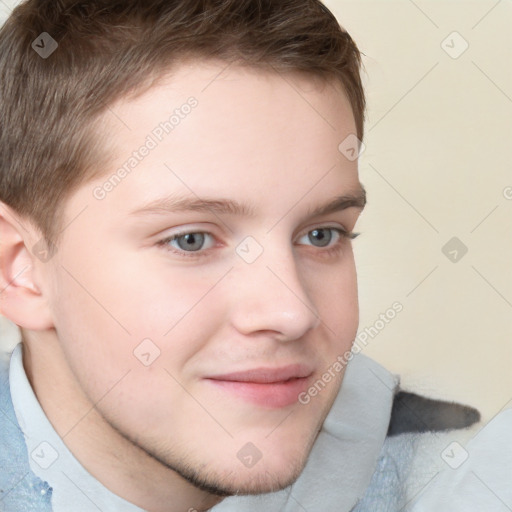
{"x": 20, "y": 489}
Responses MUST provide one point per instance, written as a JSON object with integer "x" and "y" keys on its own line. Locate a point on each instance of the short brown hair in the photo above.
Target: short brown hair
{"x": 110, "y": 49}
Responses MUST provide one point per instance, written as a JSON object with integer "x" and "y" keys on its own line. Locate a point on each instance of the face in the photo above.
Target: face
{"x": 200, "y": 290}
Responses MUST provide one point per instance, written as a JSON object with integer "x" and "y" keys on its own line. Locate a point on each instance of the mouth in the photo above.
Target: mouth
{"x": 266, "y": 387}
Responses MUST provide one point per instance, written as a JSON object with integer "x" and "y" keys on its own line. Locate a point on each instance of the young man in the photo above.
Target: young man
{"x": 179, "y": 190}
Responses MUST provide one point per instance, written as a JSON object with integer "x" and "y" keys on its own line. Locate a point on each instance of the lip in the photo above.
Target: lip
{"x": 266, "y": 387}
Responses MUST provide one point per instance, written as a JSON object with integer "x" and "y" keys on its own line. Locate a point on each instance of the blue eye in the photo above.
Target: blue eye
{"x": 195, "y": 244}
{"x": 321, "y": 237}
{"x": 189, "y": 242}
{"x": 324, "y": 237}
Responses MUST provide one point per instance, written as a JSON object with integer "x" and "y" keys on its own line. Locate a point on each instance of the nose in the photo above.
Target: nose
{"x": 270, "y": 298}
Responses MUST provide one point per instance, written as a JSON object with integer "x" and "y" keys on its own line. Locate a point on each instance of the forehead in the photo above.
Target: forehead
{"x": 233, "y": 100}
{"x": 210, "y": 126}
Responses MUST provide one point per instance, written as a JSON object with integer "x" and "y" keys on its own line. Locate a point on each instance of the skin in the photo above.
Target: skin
{"x": 163, "y": 436}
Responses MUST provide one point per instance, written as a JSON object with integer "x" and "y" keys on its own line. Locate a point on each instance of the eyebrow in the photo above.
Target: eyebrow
{"x": 168, "y": 205}
{"x": 352, "y": 200}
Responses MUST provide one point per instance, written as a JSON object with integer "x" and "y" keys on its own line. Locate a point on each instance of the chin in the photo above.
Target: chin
{"x": 250, "y": 482}
{"x": 225, "y": 479}
{"x": 281, "y": 458}
{"x": 265, "y": 480}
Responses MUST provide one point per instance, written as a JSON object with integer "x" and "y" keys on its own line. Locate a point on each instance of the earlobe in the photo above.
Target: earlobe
{"x": 21, "y": 299}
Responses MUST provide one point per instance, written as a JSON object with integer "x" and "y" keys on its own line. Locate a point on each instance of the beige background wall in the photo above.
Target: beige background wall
{"x": 437, "y": 165}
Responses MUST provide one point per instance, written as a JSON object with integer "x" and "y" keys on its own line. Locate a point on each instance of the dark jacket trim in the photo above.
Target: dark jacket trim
{"x": 415, "y": 413}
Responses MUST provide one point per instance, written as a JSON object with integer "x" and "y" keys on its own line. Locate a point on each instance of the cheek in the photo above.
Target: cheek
{"x": 168, "y": 311}
{"x": 173, "y": 306}
{"x": 334, "y": 293}
{"x": 110, "y": 317}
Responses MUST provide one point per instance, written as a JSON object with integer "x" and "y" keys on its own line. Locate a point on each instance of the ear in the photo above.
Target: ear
{"x": 21, "y": 300}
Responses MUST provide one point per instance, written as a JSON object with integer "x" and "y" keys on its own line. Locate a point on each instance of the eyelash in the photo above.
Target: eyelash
{"x": 329, "y": 251}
